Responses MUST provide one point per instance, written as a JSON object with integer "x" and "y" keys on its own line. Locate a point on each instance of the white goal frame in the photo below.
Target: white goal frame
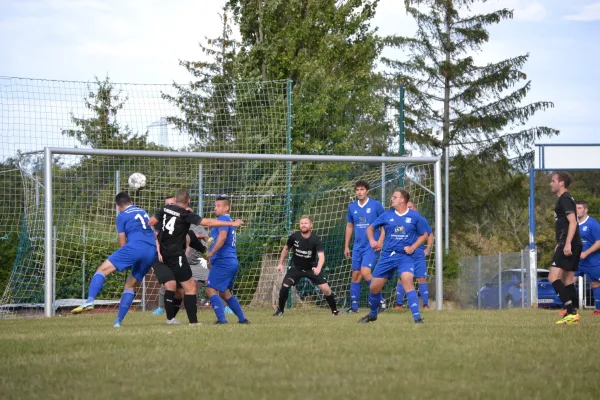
{"x": 49, "y": 152}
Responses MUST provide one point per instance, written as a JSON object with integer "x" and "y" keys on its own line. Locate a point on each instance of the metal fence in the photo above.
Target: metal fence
{"x": 502, "y": 281}
{"x": 494, "y": 282}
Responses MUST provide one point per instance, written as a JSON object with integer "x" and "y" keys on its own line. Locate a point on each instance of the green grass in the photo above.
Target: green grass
{"x": 516, "y": 354}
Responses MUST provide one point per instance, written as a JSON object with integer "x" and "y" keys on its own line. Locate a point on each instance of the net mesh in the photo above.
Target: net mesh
{"x": 269, "y": 196}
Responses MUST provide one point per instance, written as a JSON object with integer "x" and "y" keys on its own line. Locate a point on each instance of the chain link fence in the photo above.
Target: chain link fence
{"x": 502, "y": 281}
{"x": 495, "y": 281}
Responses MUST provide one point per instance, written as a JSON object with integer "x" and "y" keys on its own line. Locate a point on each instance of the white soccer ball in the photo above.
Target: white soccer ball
{"x": 137, "y": 181}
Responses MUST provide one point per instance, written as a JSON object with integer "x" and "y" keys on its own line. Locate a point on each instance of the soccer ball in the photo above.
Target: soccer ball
{"x": 137, "y": 181}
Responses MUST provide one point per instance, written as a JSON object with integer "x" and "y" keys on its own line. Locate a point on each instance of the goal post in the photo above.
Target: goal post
{"x": 285, "y": 185}
{"x": 555, "y": 157}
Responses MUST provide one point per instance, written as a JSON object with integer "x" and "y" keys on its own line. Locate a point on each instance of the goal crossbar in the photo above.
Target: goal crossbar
{"x": 49, "y": 152}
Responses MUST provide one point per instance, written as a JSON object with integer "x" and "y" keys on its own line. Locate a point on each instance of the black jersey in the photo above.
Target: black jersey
{"x": 304, "y": 250}
{"x": 173, "y": 225}
{"x": 565, "y": 205}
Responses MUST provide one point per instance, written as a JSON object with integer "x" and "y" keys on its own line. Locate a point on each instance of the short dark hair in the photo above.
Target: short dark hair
{"x": 224, "y": 197}
{"x": 183, "y": 196}
{"x": 583, "y": 203}
{"x": 404, "y": 193}
{"x": 565, "y": 178}
{"x": 362, "y": 183}
{"x": 122, "y": 199}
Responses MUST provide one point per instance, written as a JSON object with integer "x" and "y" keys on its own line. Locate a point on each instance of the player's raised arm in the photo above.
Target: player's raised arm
{"x": 216, "y": 223}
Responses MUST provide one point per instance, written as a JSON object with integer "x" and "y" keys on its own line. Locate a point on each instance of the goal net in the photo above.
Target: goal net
{"x": 269, "y": 193}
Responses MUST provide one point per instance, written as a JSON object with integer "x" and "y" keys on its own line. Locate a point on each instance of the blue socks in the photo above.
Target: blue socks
{"x": 399, "y": 294}
{"x": 218, "y": 308}
{"x": 381, "y": 299}
{"x": 374, "y": 303}
{"x": 234, "y": 304}
{"x": 95, "y": 287}
{"x": 125, "y": 304}
{"x": 424, "y": 290}
{"x": 354, "y": 295}
{"x": 412, "y": 299}
{"x": 596, "y": 292}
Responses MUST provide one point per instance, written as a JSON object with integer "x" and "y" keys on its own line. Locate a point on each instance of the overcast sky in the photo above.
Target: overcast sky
{"x": 141, "y": 41}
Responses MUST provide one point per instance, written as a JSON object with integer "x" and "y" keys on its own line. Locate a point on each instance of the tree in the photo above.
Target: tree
{"x": 451, "y": 101}
{"x": 207, "y": 102}
{"x": 102, "y": 131}
{"x": 329, "y": 52}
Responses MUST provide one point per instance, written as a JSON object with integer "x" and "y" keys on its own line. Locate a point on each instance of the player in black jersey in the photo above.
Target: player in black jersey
{"x": 306, "y": 247}
{"x": 568, "y": 247}
{"x": 173, "y": 223}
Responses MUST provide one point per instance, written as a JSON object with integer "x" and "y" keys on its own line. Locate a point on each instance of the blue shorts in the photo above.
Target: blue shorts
{"x": 591, "y": 272}
{"x": 391, "y": 262}
{"x": 139, "y": 256}
{"x": 222, "y": 275}
{"x": 364, "y": 258}
{"x": 420, "y": 266}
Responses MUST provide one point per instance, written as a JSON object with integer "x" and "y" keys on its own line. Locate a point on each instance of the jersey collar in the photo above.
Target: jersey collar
{"x": 584, "y": 221}
{"x": 401, "y": 215}
{"x": 366, "y": 202}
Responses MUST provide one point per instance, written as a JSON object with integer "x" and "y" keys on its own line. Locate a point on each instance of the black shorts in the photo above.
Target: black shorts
{"x": 175, "y": 268}
{"x": 295, "y": 274}
{"x": 570, "y": 263}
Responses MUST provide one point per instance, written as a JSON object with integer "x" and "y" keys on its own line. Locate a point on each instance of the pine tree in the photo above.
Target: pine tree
{"x": 451, "y": 101}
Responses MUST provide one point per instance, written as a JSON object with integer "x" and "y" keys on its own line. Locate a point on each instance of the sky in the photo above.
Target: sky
{"x": 142, "y": 41}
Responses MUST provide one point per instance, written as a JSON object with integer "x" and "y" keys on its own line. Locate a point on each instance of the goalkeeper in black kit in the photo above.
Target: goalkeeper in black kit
{"x": 308, "y": 258}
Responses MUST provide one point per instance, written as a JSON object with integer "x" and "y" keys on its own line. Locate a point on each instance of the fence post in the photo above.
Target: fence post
{"x": 54, "y": 235}
{"x": 582, "y": 292}
{"x": 117, "y": 186}
{"x": 83, "y": 265}
{"x": 478, "y": 282}
{"x": 499, "y": 281}
{"x": 523, "y": 286}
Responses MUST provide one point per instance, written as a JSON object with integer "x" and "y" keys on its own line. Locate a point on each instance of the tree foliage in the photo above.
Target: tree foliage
{"x": 452, "y": 101}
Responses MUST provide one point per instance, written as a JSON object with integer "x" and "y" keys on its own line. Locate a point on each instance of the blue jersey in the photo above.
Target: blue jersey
{"x": 133, "y": 221}
{"x": 227, "y": 251}
{"x": 361, "y": 217}
{"x": 400, "y": 229}
{"x": 421, "y": 249}
{"x": 590, "y": 233}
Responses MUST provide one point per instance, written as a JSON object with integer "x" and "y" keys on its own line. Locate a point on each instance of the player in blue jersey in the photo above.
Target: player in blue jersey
{"x": 137, "y": 252}
{"x": 589, "y": 261}
{"x": 223, "y": 257}
{"x": 404, "y": 233}
{"x": 420, "y": 268}
{"x": 361, "y": 213}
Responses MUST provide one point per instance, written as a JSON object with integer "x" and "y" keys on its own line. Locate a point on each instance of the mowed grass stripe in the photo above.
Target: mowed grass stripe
{"x": 304, "y": 355}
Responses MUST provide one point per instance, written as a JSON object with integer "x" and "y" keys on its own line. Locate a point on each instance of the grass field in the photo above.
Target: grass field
{"x": 514, "y": 354}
